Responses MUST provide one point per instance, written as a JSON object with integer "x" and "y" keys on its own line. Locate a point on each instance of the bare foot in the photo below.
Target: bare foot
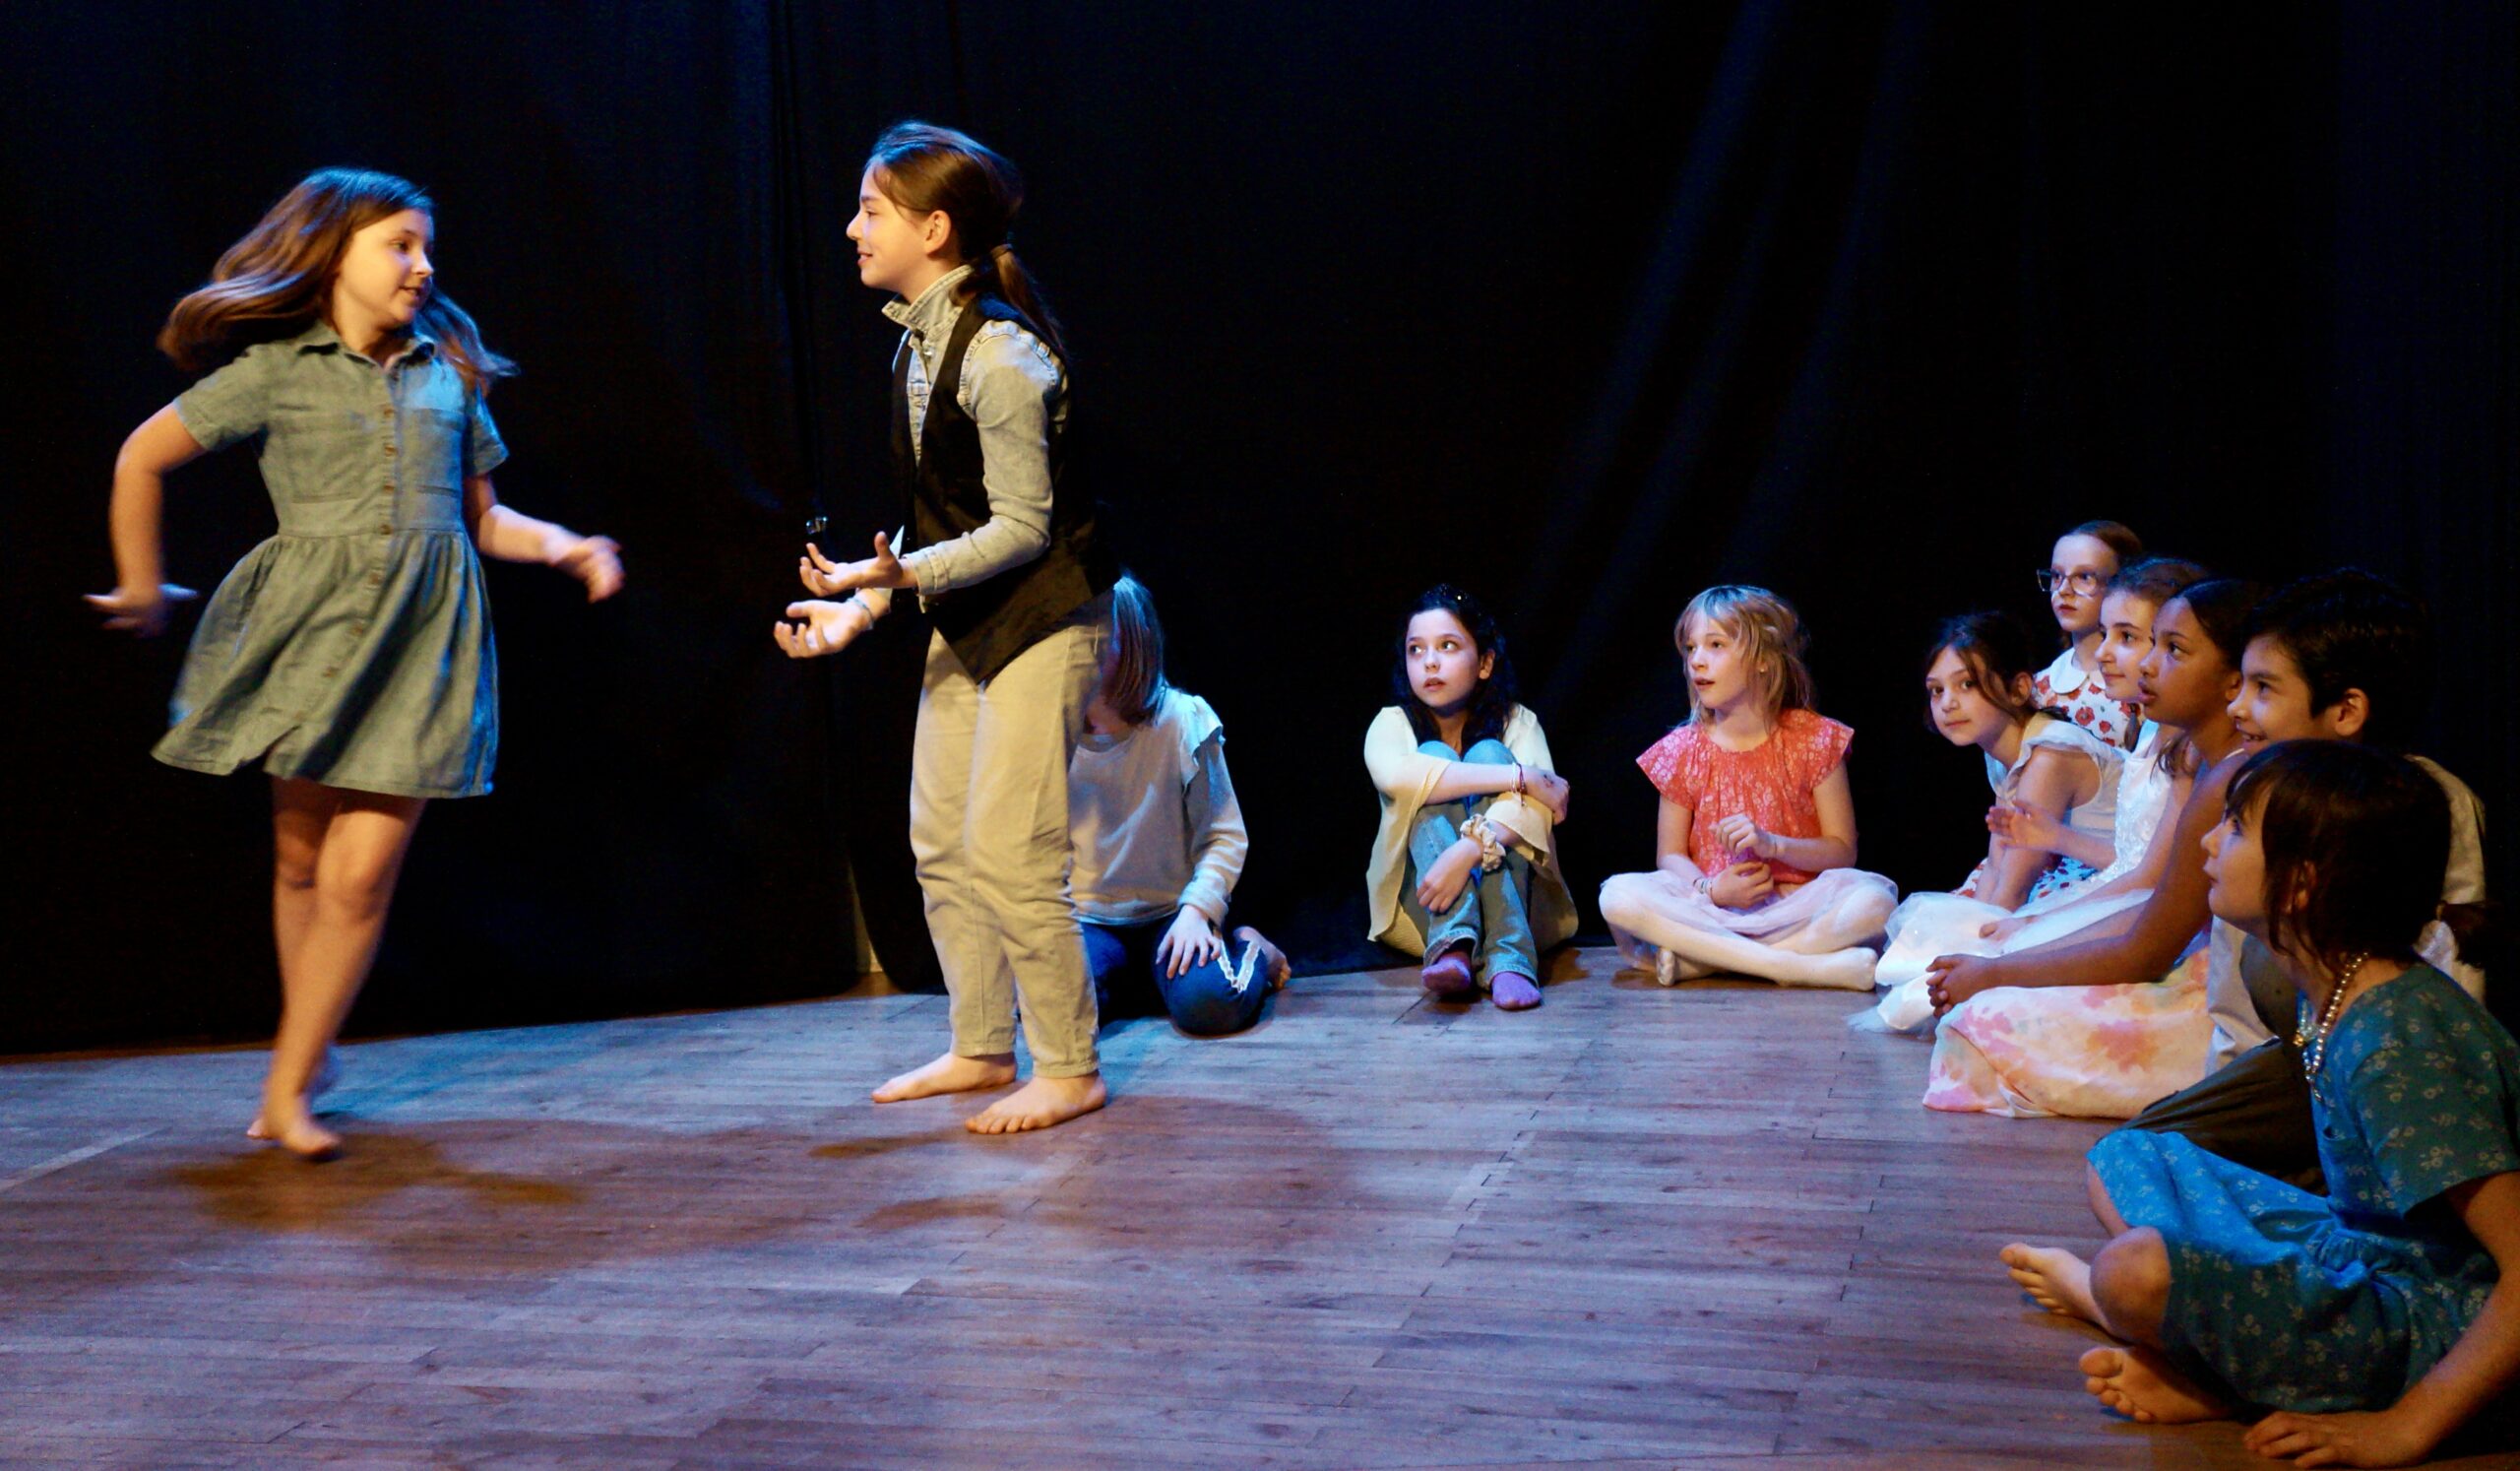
{"x": 300, "y": 1135}
{"x": 326, "y": 1073}
{"x": 950, "y": 1073}
{"x": 2056, "y": 1279}
{"x": 1273, "y": 961}
{"x": 1040, "y": 1104}
{"x": 2141, "y": 1385}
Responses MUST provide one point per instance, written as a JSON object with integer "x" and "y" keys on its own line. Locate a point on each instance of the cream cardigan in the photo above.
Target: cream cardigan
{"x": 1404, "y": 776}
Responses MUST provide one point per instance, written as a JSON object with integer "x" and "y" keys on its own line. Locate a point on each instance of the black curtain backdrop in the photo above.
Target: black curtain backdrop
{"x": 1582, "y": 306}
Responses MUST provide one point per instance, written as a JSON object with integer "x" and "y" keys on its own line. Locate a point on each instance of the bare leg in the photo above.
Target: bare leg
{"x": 364, "y": 837}
{"x": 2140, "y": 1384}
{"x": 2100, "y": 1205}
{"x": 950, "y": 1073}
{"x": 301, "y": 811}
{"x": 1040, "y": 1104}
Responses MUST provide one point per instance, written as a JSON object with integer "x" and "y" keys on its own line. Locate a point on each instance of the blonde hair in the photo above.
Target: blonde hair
{"x": 1771, "y": 634}
{"x": 1137, "y": 682}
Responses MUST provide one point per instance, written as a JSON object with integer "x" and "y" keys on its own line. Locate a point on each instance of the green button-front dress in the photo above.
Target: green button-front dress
{"x": 353, "y": 647}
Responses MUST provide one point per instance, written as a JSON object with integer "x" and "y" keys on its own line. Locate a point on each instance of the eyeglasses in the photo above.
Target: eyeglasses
{"x": 2085, "y": 583}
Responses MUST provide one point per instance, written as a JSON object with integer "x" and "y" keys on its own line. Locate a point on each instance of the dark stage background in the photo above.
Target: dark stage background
{"x": 1584, "y": 306}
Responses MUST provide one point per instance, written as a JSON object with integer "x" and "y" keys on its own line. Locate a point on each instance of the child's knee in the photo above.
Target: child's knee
{"x": 1620, "y": 900}
{"x": 1871, "y": 910}
{"x": 1204, "y": 1002}
{"x": 1492, "y": 753}
{"x": 2130, "y": 1283}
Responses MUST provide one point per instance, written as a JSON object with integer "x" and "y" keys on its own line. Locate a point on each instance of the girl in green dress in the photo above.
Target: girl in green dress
{"x": 2366, "y": 1328}
{"x": 350, "y": 656}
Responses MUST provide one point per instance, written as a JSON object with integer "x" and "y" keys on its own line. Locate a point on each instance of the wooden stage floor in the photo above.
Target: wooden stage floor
{"x": 1707, "y": 1228}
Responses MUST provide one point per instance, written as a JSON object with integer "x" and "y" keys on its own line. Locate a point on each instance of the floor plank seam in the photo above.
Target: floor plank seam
{"x": 78, "y": 1156}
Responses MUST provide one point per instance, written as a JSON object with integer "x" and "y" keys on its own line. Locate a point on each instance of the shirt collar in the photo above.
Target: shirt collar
{"x": 319, "y": 336}
{"x": 2066, "y": 678}
{"x": 932, "y": 314}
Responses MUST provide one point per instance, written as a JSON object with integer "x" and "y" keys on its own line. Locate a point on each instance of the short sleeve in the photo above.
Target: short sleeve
{"x": 1668, "y": 765}
{"x": 1194, "y": 725}
{"x": 483, "y": 449}
{"x": 1819, "y": 747}
{"x": 2437, "y": 1110}
{"x": 232, "y": 403}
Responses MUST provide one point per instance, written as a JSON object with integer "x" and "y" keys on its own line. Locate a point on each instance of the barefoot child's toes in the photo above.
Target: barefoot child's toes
{"x": 2056, "y": 1279}
{"x": 1040, "y": 1104}
{"x": 2141, "y": 1384}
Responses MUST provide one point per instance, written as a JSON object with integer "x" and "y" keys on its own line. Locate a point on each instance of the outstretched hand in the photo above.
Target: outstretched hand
{"x": 821, "y": 629}
{"x": 825, "y": 578}
{"x": 595, "y": 562}
{"x": 144, "y": 613}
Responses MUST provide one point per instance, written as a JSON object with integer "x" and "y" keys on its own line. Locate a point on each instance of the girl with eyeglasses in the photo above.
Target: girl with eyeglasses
{"x": 2075, "y": 578}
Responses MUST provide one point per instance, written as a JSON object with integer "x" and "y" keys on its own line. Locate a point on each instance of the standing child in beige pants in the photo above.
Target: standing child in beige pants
{"x": 1004, "y": 559}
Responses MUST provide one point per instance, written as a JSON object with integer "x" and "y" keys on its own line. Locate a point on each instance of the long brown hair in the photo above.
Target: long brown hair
{"x": 923, "y": 169}
{"x": 278, "y": 279}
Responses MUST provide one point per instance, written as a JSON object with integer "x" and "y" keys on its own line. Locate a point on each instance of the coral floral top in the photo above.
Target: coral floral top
{"x": 1774, "y": 782}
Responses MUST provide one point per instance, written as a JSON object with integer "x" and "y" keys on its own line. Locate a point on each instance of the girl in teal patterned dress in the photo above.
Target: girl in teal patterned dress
{"x": 350, "y": 656}
{"x": 2366, "y": 1327}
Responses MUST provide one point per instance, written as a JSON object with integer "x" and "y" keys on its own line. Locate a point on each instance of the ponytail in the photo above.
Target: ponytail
{"x": 1014, "y": 285}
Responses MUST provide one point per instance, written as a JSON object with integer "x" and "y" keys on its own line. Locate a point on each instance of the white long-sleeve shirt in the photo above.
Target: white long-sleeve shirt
{"x": 1154, "y": 818}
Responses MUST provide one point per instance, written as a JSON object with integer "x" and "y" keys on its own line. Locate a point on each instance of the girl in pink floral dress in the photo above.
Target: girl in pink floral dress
{"x": 1754, "y": 845}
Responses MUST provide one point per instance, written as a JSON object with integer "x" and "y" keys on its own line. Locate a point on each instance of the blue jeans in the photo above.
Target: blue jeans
{"x": 1493, "y": 913}
{"x": 1209, "y": 1000}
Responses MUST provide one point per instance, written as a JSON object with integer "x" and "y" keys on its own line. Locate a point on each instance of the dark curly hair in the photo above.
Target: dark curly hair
{"x": 1493, "y": 703}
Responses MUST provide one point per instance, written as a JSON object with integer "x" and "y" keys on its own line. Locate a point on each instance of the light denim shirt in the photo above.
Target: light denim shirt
{"x": 353, "y": 647}
{"x": 1015, "y": 393}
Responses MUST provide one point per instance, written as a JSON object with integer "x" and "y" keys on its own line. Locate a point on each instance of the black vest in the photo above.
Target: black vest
{"x": 989, "y": 623}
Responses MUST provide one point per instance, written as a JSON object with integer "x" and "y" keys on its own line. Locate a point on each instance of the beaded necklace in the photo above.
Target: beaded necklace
{"x": 2313, "y": 1041}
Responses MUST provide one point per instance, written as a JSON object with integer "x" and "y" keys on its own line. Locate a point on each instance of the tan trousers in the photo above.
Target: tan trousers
{"x": 988, "y": 828}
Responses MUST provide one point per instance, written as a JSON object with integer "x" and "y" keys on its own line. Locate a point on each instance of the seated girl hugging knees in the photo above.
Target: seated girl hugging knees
{"x": 2075, "y": 580}
{"x": 1159, "y": 842}
{"x": 1464, "y": 865}
{"x": 2366, "y": 1326}
{"x": 2128, "y": 859}
{"x": 2099, "y": 1023}
{"x": 1754, "y": 841}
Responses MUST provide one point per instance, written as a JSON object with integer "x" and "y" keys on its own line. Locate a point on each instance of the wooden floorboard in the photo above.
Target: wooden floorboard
{"x": 1706, "y": 1228}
